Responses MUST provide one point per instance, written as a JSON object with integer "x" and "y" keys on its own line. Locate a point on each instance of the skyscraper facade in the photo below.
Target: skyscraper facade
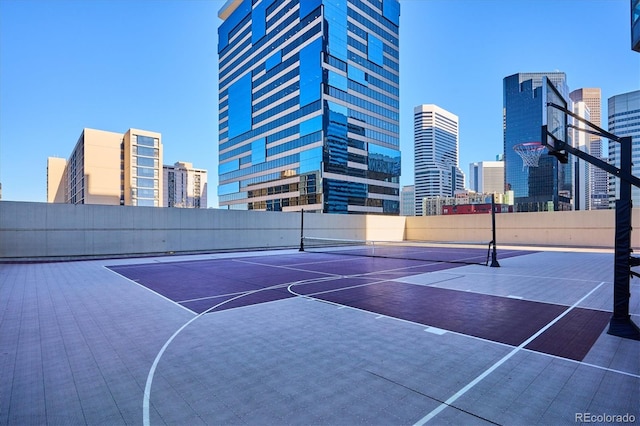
{"x": 581, "y": 169}
{"x": 624, "y": 120}
{"x": 487, "y": 177}
{"x": 408, "y": 200}
{"x": 309, "y": 106}
{"x": 598, "y": 178}
{"x": 547, "y": 185}
{"x": 436, "y": 158}
{"x": 635, "y": 25}
{"x": 184, "y": 186}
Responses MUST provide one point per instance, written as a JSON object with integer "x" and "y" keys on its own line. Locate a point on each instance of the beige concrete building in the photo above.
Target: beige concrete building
{"x": 184, "y": 186}
{"x": 109, "y": 168}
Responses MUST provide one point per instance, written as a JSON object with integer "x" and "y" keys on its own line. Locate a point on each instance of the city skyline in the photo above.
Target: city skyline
{"x": 66, "y": 65}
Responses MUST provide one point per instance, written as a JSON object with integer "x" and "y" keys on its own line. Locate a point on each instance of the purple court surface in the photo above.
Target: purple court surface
{"x": 283, "y": 337}
{"x": 212, "y": 285}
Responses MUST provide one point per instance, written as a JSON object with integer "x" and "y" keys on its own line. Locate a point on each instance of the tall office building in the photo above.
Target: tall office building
{"x": 184, "y": 186}
{"x": 487, "y": 177}
{"x": 598, "y": 178}
{"x": 624, "y": 120}
{"x": 309, "y": 106}
{"x": 547, "y": 186}
{"x": 581, "y": 169}
{"x": 109, "y": 168}
{"x": 408, "y": 200}
{"x": 436, "y": 158}
{"x": 635, "y": 25}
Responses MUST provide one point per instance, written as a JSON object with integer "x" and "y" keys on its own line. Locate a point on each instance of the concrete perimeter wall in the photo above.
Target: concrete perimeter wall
{"x": 61, "y": 231}
{"x": 594, "y": 228}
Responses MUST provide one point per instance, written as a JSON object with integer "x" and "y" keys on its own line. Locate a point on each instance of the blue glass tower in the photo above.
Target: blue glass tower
{"x": 309, "y": 106}
{"x": 549, "y": 185}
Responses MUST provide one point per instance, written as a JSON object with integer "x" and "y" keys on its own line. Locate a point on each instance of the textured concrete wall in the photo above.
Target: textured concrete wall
{"x": 594, "y": 228}
{"x": 41, "y": 230}
{"x": 59, "y": 231}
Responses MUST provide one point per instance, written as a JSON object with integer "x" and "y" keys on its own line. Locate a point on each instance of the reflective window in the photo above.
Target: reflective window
{"x": 310, "y": 160}
{"x": 147, "y": 193}
{"x": 310, "y": 72}
{"x": 338, "y": 81}
{"x": 234, "y": 152}
{"x": 145, "y": 183}
{"x": 335, "y": 152}
{"x": 391, "y": 10}
{"x": 258, "y": 151}
{"x": 276, "y": 109}
{"x": 228, "y": 166}
{"x": 258, "y": 22}
{"x": 141, "y": 161}
{"x": 356, "y": 74}
{"x": 240, "y": 106}
{"x": 335, "y": 107}
{"x": 374, "y": 50}
{"x": 336, "y": 15}
{"x": 385, "y": 161}
{"x": 148, "y": 152}
{"x": 228, "y": 188}
{"x": 273, "y": 60}
{"x": 141, "y": 171}
{"x": 145, "y": 140}
{"x": 308, "y": 6}
{"x": 311, "y": 125}
{"x": 296, "y": 143}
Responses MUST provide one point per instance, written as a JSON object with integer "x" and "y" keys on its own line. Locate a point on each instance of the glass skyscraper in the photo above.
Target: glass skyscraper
{"x": 624, "y": 120}
{"x": 549, "y": 185}
{"x": 309, "y": 106}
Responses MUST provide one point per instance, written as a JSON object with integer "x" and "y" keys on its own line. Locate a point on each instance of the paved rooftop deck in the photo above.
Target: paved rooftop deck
{"x": 521, "y": 344}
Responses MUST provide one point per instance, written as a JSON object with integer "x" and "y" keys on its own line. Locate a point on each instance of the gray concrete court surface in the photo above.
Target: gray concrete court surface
{"x": 80, "y": 344}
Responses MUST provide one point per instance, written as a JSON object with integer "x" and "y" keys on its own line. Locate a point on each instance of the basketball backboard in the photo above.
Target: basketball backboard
{"x": 554, "y": 121}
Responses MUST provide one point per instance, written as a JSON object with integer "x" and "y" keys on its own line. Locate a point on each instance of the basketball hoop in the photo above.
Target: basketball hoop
{"x": 530, "y": 153}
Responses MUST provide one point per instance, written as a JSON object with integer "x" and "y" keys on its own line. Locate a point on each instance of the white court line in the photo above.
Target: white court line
{"x": 148, "y": 289}
{"x": 147, "y": 387}
{"x": 504, "y": 359}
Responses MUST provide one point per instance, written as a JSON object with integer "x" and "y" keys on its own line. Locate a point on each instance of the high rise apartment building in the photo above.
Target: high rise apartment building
{"x": 109, "y": 168}
{"x": 598, "y": 178}
{"x": 624, "y": 120}
{"x": 436, "y": 157}
{"x": 184, "y": 186}
{"x": 549, "y": 184}
{"x": 309, "y": 106}
{"x": 487, "y": 177}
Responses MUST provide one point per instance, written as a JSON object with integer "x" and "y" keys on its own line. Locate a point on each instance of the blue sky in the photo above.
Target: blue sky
{"x": 152, "y": 64}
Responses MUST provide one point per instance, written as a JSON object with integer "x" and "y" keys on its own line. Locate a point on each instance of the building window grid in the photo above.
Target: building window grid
{"x": 253, "y": 133}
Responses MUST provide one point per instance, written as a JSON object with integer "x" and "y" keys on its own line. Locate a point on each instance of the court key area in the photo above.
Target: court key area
{"x": 289, "y": 337}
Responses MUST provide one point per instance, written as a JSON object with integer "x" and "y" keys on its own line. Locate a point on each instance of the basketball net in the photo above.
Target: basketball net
{"x": 530, "y": 153}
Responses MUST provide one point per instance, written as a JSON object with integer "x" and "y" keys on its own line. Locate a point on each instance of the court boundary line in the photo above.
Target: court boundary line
{"x": 149, "y": 289}
{"x": 147, "y": 389}
{"x": 329, "y": 277}
{"x": 449, "y": 401}
{"x": 378, "y": 316}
